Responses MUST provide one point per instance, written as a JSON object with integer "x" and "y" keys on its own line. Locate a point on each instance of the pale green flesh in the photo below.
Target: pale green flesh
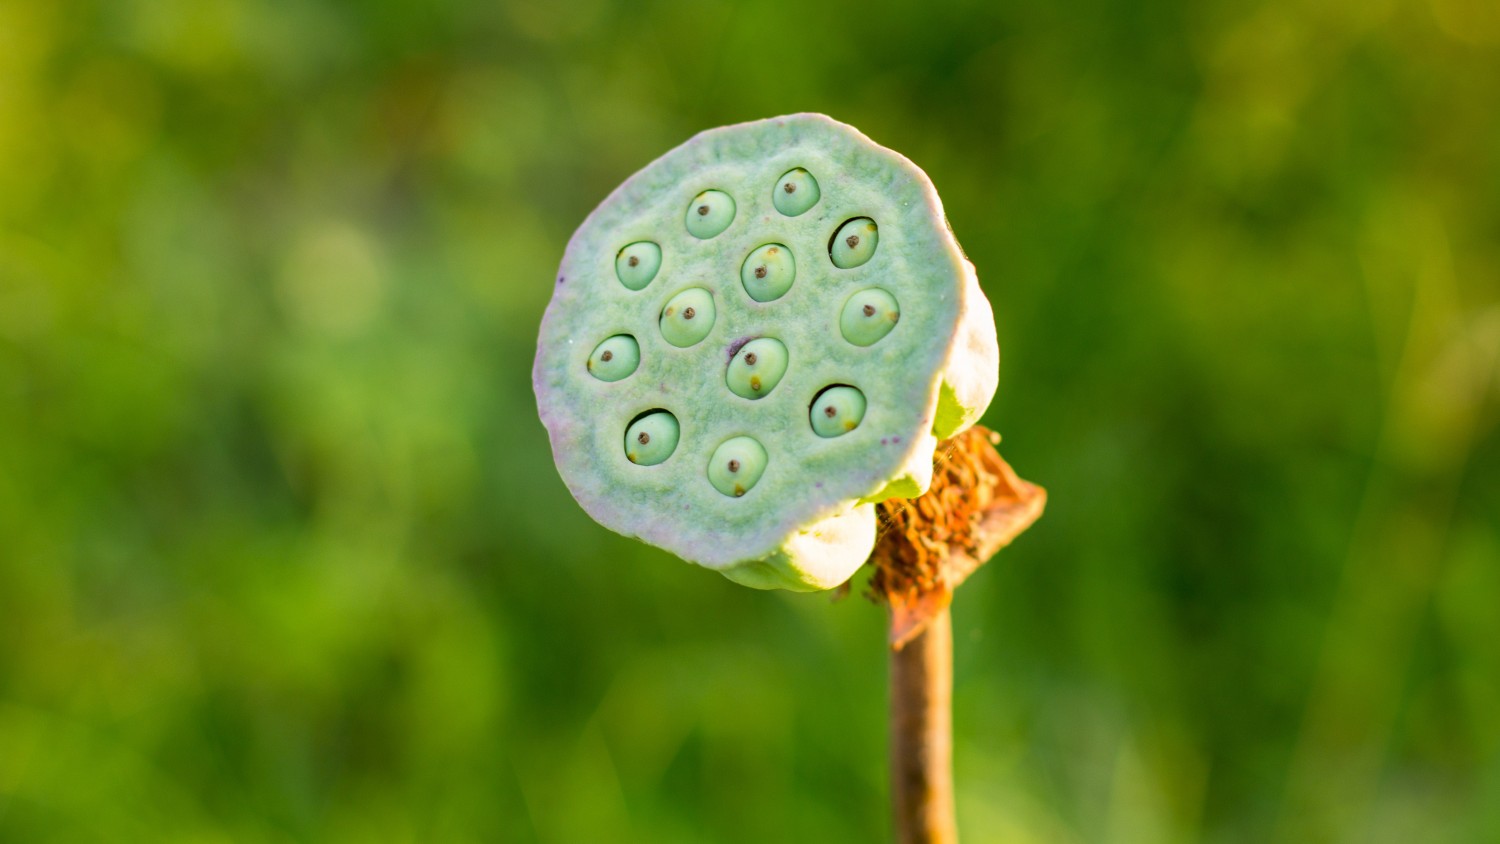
{"x": 652, "y": 438}
{"x": 736, "y": 466}
{"x": 795, "y": 193}
{"x": 637, "y": 264}
{"x": 774, "y": 535}
{"x": 757, "y": 368}
{"x": 615, "y": 358}
{"x": 837, "y": 411}
{"x": 768, "y": 272}
{"x": 688, "y": 317}
{"x": 868, "y": 316}
{"x": 709, "y": 214}
{"x": 855, "y": 243}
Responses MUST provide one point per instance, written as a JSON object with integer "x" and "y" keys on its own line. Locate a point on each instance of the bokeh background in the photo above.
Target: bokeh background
{"x": 283, "y": 556}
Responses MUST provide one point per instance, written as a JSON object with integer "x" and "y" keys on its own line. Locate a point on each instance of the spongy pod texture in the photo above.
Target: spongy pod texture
{"x": 753, "y": 340}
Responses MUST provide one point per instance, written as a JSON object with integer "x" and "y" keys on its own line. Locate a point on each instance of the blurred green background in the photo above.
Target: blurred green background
{"x": 283, "y": 556}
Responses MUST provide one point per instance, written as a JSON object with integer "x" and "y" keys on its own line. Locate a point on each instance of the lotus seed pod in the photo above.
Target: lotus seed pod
{"x": 688, "y": 317}
{"x": 757, "y": 368}
{"x": 853, "y": 245}
{"x": 836, "y": 411}
{"x": 615, "y": 358}
{"x": 652, "y": 438}
{"x": 637, "y": 264}
{"x": 808, "y": 520}
{"x": 709, "y": 214}
{"x": 868, "y": 316}
{"x": 737, "y": 465}
{"x": 768, "y": 272}
{"x": 795, "y": 192}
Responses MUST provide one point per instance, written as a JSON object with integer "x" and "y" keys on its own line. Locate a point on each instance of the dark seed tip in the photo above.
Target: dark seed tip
{"x": 789, "y": 187}
{"x": 760, "y": 272}
{"x": 688, "y": 313}
{"x": 702, "y": 210}
{"x": 750, "y": 358}
{"x": 734, "y": 465}
{"x": 633, "y": 261}
{"x": 869, "y": 310}
{"x": 828, "y": 411}
{"x": 644, "y": 437}
{"x": 852, "y": 240}
{"x": 607, "y": 356}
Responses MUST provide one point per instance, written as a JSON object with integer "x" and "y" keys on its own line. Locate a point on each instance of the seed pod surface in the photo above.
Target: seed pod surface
{"x": 803, "y": 517}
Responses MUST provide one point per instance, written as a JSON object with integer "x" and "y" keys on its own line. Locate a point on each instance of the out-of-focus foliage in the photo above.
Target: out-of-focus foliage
{"x": 283, "y": 556}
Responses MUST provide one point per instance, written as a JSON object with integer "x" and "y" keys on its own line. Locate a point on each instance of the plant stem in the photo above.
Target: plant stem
{"x": 922, "y": 736}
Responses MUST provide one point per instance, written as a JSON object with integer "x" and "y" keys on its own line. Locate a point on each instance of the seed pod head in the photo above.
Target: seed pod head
{"x": 867, "y": 306}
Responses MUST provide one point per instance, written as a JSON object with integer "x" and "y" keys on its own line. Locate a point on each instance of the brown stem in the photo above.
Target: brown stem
{"x": 927, "y": 546}
{"x": 922, "y": 735}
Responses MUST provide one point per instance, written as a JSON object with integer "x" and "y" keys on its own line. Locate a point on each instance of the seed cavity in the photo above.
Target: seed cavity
{"x": 854, "y": 243}
{"x": 768, "y": 272}
{"x": 799, "y": 192}
{"x": 756, "y": 373}
{"x": 688, "y": 317}
{"x": 709, "y": 214}
{"x": 868, "y": 316}
{"x": 737, "y": 466}
{"x": 651, "y": 437}
{"x": 837, "y": 410}
{"x": 615, "y": 358}
{"x": 638, "y": 263}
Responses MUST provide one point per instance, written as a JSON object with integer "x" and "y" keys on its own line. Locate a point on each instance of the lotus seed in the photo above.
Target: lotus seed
{"x": 768, "y": 272}
{"x": 854, "y": 243}
{"x": 737, "y": 465}
{"x": 637, "y": 264}
{"x": 796, "y": 191}
{"x": 615, "y": 358}
{"x": 688, "y": 317}
{"x": 868, "y": 316}
{"x": 652, "y": 438}
{"x": 709, "y": 214}
{"x": 837, "y": 411}
{"x": 757, "y": 369}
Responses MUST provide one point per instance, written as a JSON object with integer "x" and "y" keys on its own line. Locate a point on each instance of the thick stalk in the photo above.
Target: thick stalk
{"x": 922, "y": 736}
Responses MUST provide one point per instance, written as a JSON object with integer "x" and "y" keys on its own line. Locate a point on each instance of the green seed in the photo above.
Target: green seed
{"x": 757, "y": 368}
{"x": 652, "y": 438}
{"x": 795, "y": 192}
{"x": 854, "y": 243}
{"x": 709, "y": 213}
{"x": 868, "y": 316}
{"x": 837, "y": 411}
{"x": 768, "y": 272}
{"x": 688, "y": 317}
{"x": 637, "y": 264}
{"x": 615, "y": 358}
{"x": 737, "y": 465}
